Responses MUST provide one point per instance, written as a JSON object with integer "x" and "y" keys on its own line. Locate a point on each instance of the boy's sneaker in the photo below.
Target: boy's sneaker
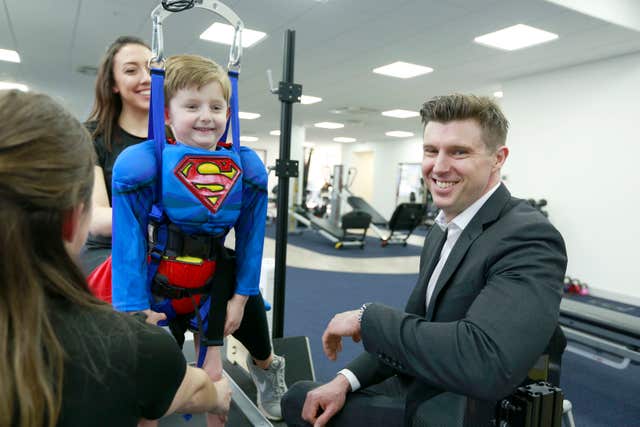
{"x": 270, "y": 386}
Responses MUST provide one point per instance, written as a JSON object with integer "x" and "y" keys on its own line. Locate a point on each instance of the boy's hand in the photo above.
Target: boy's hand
{"x": 235, "y": 312}
{"x": 152, "y": 317}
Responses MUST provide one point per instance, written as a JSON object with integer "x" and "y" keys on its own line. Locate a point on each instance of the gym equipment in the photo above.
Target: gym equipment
{"x": 602, "y": 333}
{"x": 534, "y": 405}
{"x": 539, "y": 205}
{"x": 339, "y": 230}
{"x": 340, "y": 236}
{"x": 405, "y": 218}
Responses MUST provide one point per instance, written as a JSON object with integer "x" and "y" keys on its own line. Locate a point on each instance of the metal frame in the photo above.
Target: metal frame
{"x": 159, "y": 14}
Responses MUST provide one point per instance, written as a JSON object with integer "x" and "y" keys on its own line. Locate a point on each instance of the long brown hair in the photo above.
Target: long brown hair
{"x": 46, "y": 170}
{"x": 107, "y": 104}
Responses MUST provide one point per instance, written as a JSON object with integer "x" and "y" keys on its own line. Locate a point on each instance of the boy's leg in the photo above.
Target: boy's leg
{"x": 266, "y": 368}
{"x": 213, "y": 367}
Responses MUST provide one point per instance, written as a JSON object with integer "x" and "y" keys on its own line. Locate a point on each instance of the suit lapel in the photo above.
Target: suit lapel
{"x": 433, "y": 246}
{"x": 488, "y": 213}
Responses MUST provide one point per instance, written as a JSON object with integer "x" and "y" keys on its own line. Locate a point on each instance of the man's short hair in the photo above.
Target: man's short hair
{"x": 482, "y": 109}
{"x": 187, "y": 71}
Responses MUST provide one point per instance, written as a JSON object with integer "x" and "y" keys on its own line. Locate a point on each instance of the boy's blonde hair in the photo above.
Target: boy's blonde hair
{"x": 187, "y": 71}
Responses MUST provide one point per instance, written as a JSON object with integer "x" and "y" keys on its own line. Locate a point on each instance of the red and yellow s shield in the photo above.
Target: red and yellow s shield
{"x": 209, "y": 178}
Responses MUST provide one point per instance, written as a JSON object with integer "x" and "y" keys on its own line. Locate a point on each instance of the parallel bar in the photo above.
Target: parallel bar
{"x": 286, "y": 113}
{"x": 246, "y": 406}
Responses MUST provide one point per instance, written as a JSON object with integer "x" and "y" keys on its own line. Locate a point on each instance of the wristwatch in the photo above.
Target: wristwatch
{"x": 361, "y": 311}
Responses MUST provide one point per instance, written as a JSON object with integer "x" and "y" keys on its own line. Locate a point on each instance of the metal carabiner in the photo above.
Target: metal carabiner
{"x": 157, "y": 42}
{"x": 159, "y": 14}
{"x": 236, "y": 48}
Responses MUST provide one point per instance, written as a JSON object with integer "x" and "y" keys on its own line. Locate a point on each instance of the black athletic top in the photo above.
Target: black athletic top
{"x": 119, "y": 369}
{"x": 120, "y": 139}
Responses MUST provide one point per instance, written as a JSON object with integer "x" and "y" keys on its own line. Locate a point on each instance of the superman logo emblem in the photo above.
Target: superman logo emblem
{"x": 209, "y": 178}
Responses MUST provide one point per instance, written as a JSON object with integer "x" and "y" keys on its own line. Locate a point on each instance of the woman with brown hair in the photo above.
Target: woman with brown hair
{"x": 60, "y": 366}
{"x": 119, "y": 118}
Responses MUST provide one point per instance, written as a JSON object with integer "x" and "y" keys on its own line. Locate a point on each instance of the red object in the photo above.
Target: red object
{"x": 180, "y": 274}
{"x": 187, "y": 275}
{"x": 100, "y": 281}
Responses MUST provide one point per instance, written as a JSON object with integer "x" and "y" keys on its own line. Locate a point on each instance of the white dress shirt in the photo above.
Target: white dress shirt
{"x": 454, "y": 229}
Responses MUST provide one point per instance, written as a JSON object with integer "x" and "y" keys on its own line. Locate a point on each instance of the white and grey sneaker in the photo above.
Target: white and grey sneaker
{"x": 270, "y": 386}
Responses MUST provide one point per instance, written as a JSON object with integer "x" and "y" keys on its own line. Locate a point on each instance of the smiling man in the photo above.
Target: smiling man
{"x": 484, "y": 308}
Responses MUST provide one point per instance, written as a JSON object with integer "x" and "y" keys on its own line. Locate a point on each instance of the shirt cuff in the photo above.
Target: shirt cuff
{"x": 350, "y": 376}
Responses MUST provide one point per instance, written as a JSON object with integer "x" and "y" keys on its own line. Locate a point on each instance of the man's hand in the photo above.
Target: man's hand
{"x": 342, "y": 325}
{"x": 223, "y": 393}
{"x": 324, "y": 402}
{"x": 235, "y": 312}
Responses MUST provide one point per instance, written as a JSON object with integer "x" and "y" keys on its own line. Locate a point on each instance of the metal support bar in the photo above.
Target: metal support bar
{"x": 246, "y": 405}
{"x": 289, "y": 92}
{"x": 287, "y": 169}
{"x": 286, "y": 114}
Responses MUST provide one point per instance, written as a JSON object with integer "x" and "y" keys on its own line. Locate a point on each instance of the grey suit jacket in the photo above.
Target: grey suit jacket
{"x": 493, "y": 311}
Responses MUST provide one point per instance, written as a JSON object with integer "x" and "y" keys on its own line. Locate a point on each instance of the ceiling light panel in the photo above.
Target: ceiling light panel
{"x": 400, "y": 114}
{"x": 12, "y": 85}
{"x": 248, "y": 116}
{"x": 399, "y": 134}
{"x": 329, "y": 125}
{"x": 515, "y": 37}
{"x": 223, "y": 33}
{"x": 308, "y": 99}
{"x": 9, "y": 55}
{"x": 344, "y": 139}
{"x": 403, "y": 70}
{"x": 275, "y": 133}
{"x": 248, "y": 138}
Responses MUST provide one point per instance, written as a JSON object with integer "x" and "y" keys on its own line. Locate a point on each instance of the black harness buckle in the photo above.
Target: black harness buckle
{"x": 162, "y": 287}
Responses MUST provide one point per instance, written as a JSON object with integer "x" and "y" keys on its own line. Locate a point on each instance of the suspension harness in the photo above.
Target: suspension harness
{"x": 178, "y": 246}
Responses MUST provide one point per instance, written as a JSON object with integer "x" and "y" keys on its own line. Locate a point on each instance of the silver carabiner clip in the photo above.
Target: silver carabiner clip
{"x": 236, "y": 48}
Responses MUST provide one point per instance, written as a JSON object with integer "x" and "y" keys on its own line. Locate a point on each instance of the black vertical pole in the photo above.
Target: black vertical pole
{"x": 288, "y": 93}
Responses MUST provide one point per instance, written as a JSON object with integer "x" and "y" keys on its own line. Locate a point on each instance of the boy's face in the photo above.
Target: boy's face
{"x": 198, "y": 117}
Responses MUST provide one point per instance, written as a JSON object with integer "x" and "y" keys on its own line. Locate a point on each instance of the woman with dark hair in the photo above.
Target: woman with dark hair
{"x": 67, "y": 358}
{"x": 119, "y": 118}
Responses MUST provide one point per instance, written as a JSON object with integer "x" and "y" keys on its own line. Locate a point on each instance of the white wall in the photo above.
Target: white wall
{"x": 272, "y": 147}
{"x": 387, "y": 155}
{"x": 574, "y": 141}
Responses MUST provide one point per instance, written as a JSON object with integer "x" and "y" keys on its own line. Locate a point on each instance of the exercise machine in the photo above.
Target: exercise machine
{"x": 345, "y": 230}
{"x": 404, "y": 220}
{"x": 600, "y": 332}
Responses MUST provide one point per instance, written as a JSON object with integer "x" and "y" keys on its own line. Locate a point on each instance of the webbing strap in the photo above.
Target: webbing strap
{"x": 157, "y": 134}
{"x": 234, "y": 115}
{"x": 156, "y": 126}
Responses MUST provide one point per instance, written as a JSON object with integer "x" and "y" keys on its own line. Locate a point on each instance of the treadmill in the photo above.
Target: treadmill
{"x": 600, "y": 325}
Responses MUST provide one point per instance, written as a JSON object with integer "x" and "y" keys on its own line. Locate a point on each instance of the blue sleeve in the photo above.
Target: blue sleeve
{"x": 132, "y": 188}
{"x": 249, "y": 227}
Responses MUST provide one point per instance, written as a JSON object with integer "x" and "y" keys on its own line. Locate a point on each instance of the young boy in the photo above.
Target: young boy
{"x": 207, "y": 188}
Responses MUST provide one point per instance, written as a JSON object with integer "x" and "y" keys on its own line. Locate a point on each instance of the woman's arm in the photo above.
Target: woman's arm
{"x": 101, "y": 216}
{"x": 197, "y": 393}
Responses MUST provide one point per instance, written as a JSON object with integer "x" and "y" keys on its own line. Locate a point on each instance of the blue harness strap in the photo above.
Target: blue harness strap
{"x": 157, "y": 134}
{"x": 234, "y": 116}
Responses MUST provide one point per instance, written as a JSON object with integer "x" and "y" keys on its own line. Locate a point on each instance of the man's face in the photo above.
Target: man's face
{"x": 457, "y": 166}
